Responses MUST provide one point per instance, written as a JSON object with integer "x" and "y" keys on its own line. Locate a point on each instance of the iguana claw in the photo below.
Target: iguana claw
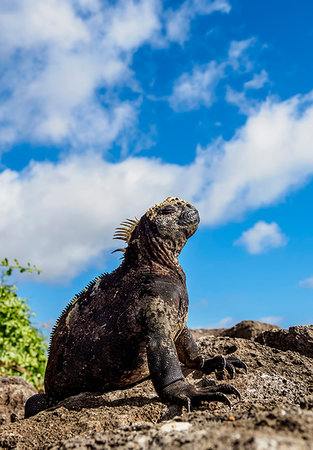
{"x": 233, "y": 363}
{"x": 236, "y": 362}
{"x": 215, "y": 364}
{"x": 211, "y": 396}
{"x": 219, "y": 363}
{"x": 185, "y": 394}
{"x": 226, "y": 389}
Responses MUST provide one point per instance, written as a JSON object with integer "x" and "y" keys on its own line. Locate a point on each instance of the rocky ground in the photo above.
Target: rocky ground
{"x": 276, "y": 411}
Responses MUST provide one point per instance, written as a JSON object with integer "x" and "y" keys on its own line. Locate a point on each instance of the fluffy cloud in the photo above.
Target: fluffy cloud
{"x": 307, "y": 283}
{"x": 123, "y": 30}
{"x": 178, "y": 21}
{"x": 196, "y": 88}
{"x": 178, "y": 24}
{"x": 64, "y": 214}
{"x": 226, "y": 322}
{"x": 66, "y": 61}
{"x": 58, "y": 54}
{"x": 258, "y": 80}
{"x": 247, "y": 105}
{"x": 273, "y": 320}
{"x": 262, "y": 237}
{"x": 237, "y": 53}
{"x": 192, "y": 90}
{"x": 267, "y": 158}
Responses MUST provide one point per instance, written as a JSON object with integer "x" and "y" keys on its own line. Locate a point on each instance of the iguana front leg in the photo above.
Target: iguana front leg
{"x": 189, "y": 354}
{"x": 165, "y": 369}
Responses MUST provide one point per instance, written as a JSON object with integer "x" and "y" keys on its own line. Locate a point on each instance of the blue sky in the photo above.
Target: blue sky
{"x": 108, "y": 107}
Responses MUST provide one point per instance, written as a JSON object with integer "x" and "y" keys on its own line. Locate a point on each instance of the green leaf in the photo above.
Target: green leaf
{"x": 23, "y": 348}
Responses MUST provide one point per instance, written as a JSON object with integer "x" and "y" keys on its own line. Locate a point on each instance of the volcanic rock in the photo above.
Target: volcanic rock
{"x": 276, "y": 411}
{"x": 14, "y": 391}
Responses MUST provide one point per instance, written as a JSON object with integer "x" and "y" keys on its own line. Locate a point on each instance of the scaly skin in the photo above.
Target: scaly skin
{"x": 131, "y": 324}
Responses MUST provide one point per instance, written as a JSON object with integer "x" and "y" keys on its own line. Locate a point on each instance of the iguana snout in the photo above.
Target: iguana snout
{"x": 174, "y": 218}
{"x": 189, "y": 215}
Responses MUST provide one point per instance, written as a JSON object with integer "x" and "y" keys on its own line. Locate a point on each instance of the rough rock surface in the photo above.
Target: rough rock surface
{"x": 276, "y": 411}
{"x": 248, "y": 329}
{"x": 14, "y": 391}
{"x": 298, "y": 339}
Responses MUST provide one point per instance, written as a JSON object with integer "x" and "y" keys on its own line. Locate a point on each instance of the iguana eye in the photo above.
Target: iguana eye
{"x": 167, "y": 210}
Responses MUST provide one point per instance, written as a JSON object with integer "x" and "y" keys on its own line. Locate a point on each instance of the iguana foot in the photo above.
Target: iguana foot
{"x": 219, "y": 363}
{"x": 184, "y": 394}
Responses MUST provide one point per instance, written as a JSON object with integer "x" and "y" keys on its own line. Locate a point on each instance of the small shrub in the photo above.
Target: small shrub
{"x": 23, "y": 349}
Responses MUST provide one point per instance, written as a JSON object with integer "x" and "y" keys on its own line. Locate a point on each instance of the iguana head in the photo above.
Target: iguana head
{"x": 161, "y": 233}
{"x": 173, "y": 219}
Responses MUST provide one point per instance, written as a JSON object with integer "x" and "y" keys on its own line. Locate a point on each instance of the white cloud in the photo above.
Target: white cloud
{"x": 193, "y": 90}
{"x": 273, "y": 320}
{"x": 31, "y": 24}
{"x": 257, "y": 81}
{"x": 262, "y": 237}
{"x": 201, "y": 304}
{"x": 64, "y": 214}
{"x": 307, "y": 283}
{"x": 226, "y": 322}
{"x": 210, "y": 6}
{"x": 57, "y": 58}
{"x": 124, "y": 31}
{"x": 196, "y": 88}
{"x": 178, "y": 21}
{"x": 267, "y": 158}
{"x": 178, "y": 24}
{"x": 59, "y": 54}
{"x": 237, "y": 53}
{"x": 247, "y": 106}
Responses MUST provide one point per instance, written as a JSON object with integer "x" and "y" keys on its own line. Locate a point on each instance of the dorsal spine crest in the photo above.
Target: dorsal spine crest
{"x": 76, "y": 298}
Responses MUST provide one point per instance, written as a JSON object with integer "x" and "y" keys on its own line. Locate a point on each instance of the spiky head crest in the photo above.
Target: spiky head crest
{"x": 125, "y": 230}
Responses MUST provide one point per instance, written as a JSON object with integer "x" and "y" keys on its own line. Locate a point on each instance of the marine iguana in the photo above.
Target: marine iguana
{"x": 130, "y": 324}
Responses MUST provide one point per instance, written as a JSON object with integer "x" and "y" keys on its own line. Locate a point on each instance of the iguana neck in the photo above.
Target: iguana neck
{"x": 147, "y": 249}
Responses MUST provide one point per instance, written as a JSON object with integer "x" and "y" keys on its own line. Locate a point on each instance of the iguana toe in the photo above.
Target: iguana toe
{"x": 212, "y": 397}
{"x": 206, "y": 381}
{"x": 185, "y": 394}
{"x": 218, "y": 364}
{"x": 226, "y": 389}
{"x": 233, "y": 363}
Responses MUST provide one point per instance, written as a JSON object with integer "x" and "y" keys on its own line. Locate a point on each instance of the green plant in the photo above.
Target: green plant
{"x": 23, "y": 349}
